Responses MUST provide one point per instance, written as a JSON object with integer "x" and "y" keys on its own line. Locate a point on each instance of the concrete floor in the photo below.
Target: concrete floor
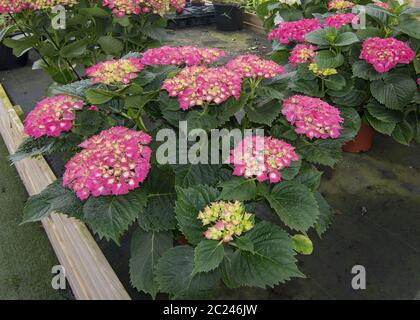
{"x": 376, "y": 198}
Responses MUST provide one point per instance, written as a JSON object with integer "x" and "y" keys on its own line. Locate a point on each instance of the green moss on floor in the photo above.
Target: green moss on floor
{"x": 26, "y": 256}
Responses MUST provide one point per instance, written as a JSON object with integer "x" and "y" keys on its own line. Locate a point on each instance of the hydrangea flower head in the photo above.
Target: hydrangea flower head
{"x": 262, "y": 157}
{"x": 178, "y": 5}
{"x": 199, "y": 85}
{"x": 340, "y": 19}
{"x": 224, "y": 220}
{"x": 286, "y": 32}
{"x": 252, "y": 66}
{"x": 385, "y": 54}
{"x": 340, "y": 4}
{"x": 325, "y": 72}
{"x": 381, "y": 4}
{"x": 45, "y": 4}
{"x": 52, "y": 116}
{"x": 187, "y": 55}
{"x": 312, "y": 117}
{"x": 115, "y": 71}
{"x": 120, "y": 8}
{"x": 111, "y": 163}
{"x": 302, "y": 53}
{"x": 13, "y": 6}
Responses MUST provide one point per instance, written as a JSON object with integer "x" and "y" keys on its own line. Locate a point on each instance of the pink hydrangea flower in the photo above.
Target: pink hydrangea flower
{"x": 302, "y": 53}
{"x": 199, "y": 85}
{"x": 262, "y": 157}
{"x": 111, "y": 163}
{"x": 251, "y": 66}
{"x": 115, "y": 71}
{"x": 312, "y": 117}
{"x": 187, "y": 55}
{"x": 13, "y": 6}
{"x": 52, "y": 116}
{"x": 44, "y": 4}
{"x": 294, "y": 31}
{"x": 340, "y": 5}
{"x": 340, "y": 19}
{"x": 120, "y": 8}
{"x": 385, "y": 54}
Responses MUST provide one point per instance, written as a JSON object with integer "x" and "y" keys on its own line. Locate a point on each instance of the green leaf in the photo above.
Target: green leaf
{"x": 264, "y": 112}
{"x": 155, "y": 33}
{"x": 308, "y": 87}
{"x": 290, "y": 172}
{"x": 351, "y": 125}
{"x": 346, "y": 39}
{"x": 110, "y": 216}
{"x": 410, "y": 27}
{"x": 382, "y": 113}
{"x": 208, "y": 255}
{"x": 395, "y": 91}
{"x": 193, "y": 174}
{"x": 365, "y": 71}
{"x": 317, "y": 37}
{"x": 325, "y": 215}
{"x": 378, "y": 125}
{"x": 54, "y": 198}
{"x": 309, "y": 176}
{"x": 295, "y": 204}
{"x": 269, "y": 93}
{"x": 74, "y": 49}
{"x": 97, "y": 96}
{"x": 302, "y": 244}
{"x": 111, "y": 45}
{"x": 335, "y": 82}
{"x": 175, "y": 275}
{"x": 197, "y": 119}
{"x": 272, "y": 262}
{"x": 354, "y": 98}
{"x": 159, "y": 214}
{"x": 22, "y": 45}
{"x": 77, "y": 88}
{"x": 96, "y": 12}
{"x": 238, "y": 188}
{"x": 403, "y": 133}
{"x": 326, "y": 152}
{"x": 146, "y": 250}
{"x": 328, "y": 59}
{"x": 245, "y": 244}
{"x": 190, "y": 201}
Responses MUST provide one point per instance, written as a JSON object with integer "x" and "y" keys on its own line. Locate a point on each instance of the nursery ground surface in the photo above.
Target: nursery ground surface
{"x": 376, "y": 198}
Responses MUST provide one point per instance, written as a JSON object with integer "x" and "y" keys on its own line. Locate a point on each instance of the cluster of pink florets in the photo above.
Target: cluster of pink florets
{"x": 251, "y": 66}
{"x": 262, "y": 157}
{"x": 294, "y": 31}
{"x": 111, "y": 163}
{"x": 120, "y": 8}
{"x": 52, "y": 116}
{"x": 381, "y": 4}
{"x": 199, "y": 85}
{"x": 312, "y": 117}
{"x": 302, "y": 53}
{"x": 187, "y": 55}
{"x": 340, "y": 5}
{"x": 340, "y": 19}
{"x": 115, "y": 71}
{"x": 385, "y": 54}
{"x": 16, "y": 6}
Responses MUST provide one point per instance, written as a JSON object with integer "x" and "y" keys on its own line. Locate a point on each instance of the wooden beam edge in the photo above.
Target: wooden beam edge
{"x": 87, "y": 270}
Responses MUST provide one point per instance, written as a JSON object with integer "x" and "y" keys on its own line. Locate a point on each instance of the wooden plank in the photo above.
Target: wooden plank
{"x": 87, "y": 270}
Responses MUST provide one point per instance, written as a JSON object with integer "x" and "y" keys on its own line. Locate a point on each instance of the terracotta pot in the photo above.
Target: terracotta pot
{"x": 362, "y": 142}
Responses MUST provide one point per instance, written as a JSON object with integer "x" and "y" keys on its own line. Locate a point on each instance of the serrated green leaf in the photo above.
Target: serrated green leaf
{"x": 395, "y": 91}
{"x": 346, "y": 39}
{"x": 97, "y": 96}
{"x": 317, "y": 37}
{"x": 244, "y": 244}
{"x": 403, "y": 133}
{"x": 190, "y": 201}
{"x": 354, "y": 98}
{"x": 290, "y": 172}
{"x": 238, "y": 188}
{"x": 110, "y": 216}
{"x": 335, "y": 82}
{"x": 273, "y": 261}
{"x": 323, "y": 151}
{"x": 382, "y": 113}
{"x": 264, "y": 112}
{"x": 175, "y": 275}
{"x": 325, "y": 215}
{"x": 111, "y": 45}
{"x": 54, "y": 198}
{"x": 365, "y": 71}
{"x": 328, "y": 59}
{"x": 309, "y": 176}
{"x": 146, "y": 250}
{"x": 74, "y": 49}
{"x": 208, "y": 255}
{"x": 295, "y": 204}
{"x": 380, "y": 126}
{"x": 193, "y": 174}
{"x": 351, "y": 125}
